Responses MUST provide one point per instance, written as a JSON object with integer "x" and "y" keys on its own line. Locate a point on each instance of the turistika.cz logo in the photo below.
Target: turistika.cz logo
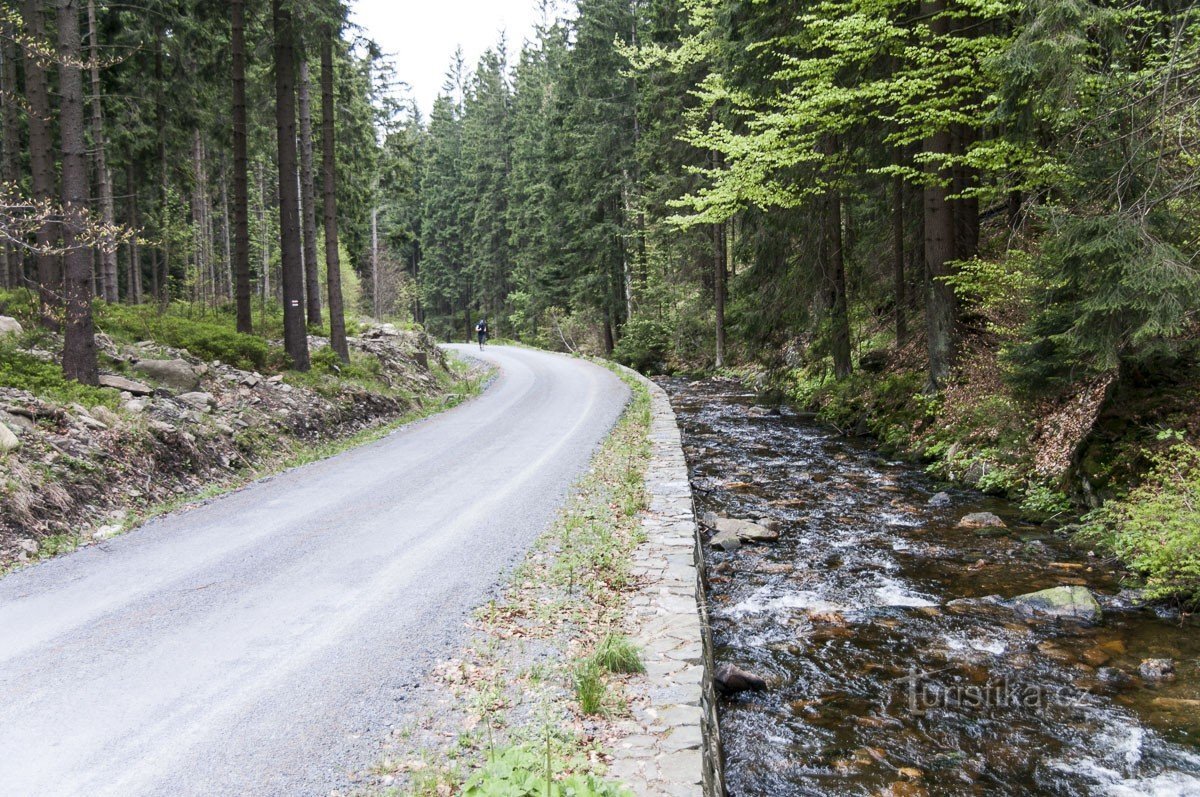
{"x": 925, "y": 694}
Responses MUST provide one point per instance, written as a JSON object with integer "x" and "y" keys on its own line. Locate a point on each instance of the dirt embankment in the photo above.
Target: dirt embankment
{"x": 176, "y": 428}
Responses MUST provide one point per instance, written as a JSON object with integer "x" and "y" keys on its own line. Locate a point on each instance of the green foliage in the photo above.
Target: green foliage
{"x": 1155, "y": 529}
{"x": 644, "y": 345}
{"x": 997, "y": 286}
{"x": 617, "y": 654}
{"x": 212, "y": 336}
{"x": 1114, "y": 291}
{"x": 525, "y": 771}
{"x": 1043, "y": 502}
{"x": 591, "y": 690}
{"x": 20, "y": 369}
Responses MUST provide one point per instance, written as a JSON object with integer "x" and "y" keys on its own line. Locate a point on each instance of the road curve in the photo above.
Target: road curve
{"x": 261, "y": 644}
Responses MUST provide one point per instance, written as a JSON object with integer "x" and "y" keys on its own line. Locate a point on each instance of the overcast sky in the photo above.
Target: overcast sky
{"x": 420, "y": 35}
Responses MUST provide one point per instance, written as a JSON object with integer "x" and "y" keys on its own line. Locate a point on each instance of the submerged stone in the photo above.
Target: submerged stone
{"x": 1071, "y": 602}
{"x": 981, "y": 520}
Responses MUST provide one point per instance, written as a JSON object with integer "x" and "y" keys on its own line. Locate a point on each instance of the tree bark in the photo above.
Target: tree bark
{"x": 241, "y": 213}
{"x": 899, "y": 287}
{"x": 839, "y": 334}
{"x": 79, "y": 345}
{"x": 308, "y": 200}
{"x": 11, "y": 270}
{"x": 133, "y": 288}
{"x": 940, "y": 233}
{"x": 333, "y": 276}
{"x": 720, "y": 276}
{"x": 41, "y": 165}
{"x": 199, "y": 220}
{"x": 295, "y": 336}
{"x": 108, "y": 250}
{"x": 376, "y": 300}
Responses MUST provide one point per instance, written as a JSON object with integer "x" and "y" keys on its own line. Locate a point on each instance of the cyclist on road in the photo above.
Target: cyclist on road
{"x": 481, "y": 331}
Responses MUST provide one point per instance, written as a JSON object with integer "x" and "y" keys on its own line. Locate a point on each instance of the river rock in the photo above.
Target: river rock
{"x": 201, "y": 401}
{"x": 1157, "y": 670}
{"x": 981, "y": 520}
{"x": 1113, "y": 678}
{"x": 746, "y": 530}
{"x": 175, "y": 374}
{"x": 125, "y": 385}
{"x": 939, "y": 500}
{"x": 731, "y": 679}
{"x": 1072, "y": 602}
{"x": 8, "y": 440}
{"x": 9, "y": 326}
{"x": 726, "y": 541}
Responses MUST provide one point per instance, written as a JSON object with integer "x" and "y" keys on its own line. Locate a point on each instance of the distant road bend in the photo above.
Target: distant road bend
{"x": 262, "y": 643}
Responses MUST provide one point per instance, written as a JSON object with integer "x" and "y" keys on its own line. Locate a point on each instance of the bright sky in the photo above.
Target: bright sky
{"x": 420, "y": 35}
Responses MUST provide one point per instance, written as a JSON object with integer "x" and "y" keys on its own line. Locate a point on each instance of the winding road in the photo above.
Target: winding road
{"x": 264, "y": 643}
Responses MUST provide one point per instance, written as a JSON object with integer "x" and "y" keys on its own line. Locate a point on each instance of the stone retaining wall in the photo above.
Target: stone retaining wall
{"x": 672, "y": 745}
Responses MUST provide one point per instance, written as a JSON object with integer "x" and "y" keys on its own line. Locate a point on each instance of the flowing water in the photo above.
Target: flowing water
{"x": 879, "y": 682}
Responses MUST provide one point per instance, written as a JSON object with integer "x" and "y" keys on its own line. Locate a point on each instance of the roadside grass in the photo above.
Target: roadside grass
{"x": 536, "y": 724}
{"x": 618, "y": 654}
{"x": 276, "y": 454}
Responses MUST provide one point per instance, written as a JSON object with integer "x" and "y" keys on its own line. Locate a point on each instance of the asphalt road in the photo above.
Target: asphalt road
{"x": 264, "y": 643}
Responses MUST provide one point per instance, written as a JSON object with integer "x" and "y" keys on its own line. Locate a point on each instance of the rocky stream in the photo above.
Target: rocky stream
{"x": 898, "y": 655}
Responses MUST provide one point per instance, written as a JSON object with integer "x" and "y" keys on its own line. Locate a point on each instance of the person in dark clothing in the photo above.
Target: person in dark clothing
{"x": 482, "y": 332}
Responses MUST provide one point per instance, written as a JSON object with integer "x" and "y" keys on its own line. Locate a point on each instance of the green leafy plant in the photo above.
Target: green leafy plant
{"x": 644, "y": 345}
{"x": 1155, "y": 529}
{"x": 525, "y": 771}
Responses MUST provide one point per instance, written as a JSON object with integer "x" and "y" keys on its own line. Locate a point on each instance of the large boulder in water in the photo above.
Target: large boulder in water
{"x": 1068, "y": 602}
{"x": 731, "y": 679}
{"x": 745, "y": 530}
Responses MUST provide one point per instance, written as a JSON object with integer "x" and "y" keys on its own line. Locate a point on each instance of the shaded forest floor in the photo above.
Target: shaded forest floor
{"x": 180, "y": 423}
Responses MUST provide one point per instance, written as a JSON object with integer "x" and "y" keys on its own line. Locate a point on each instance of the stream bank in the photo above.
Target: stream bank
{"x": 891, "y": 669}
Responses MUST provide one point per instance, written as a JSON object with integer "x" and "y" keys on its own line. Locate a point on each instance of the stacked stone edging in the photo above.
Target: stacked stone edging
{"x": 672, "y": 745}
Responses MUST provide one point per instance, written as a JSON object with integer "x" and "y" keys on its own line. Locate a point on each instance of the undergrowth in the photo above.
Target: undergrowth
{"x": 1155, "y": 529}
{"x": 44, "y": 379}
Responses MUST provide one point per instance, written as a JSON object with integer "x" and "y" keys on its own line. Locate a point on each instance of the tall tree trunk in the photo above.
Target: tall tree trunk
{"x": 295, "y": 337}
{"x": 308, "y": 200}
{"x": 333, "y": 276}
{"x": 939, "y": 233}
{"x": 899, "y": 287}
{"x": 163, "y": 283}
{"x": 108, "y": 249}
{"x": 41, "y": 165}
{"x": 226, "y": 237}
{"x": 199, "y": 221}
{"x": 966, "y": 209}
{"x": 376, "y": 300}
{"x": 835, "y": 263}
{"x": 720, "y": 278}
{"x": 133, "y": 288}
{"x": 79, "y": 345}
{"x": 241, "y": 212}
{"x": 11, "y": 270}
{"x": 264, "y": 277}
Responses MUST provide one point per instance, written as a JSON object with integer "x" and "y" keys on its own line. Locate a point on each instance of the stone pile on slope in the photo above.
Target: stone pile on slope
{"x": 178, "y": 424}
